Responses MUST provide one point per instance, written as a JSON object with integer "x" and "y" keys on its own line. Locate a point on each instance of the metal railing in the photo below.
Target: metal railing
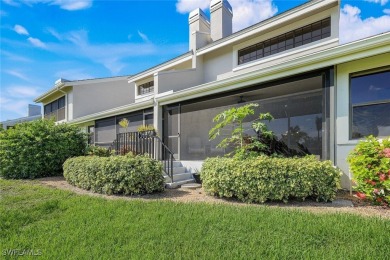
{"x": 146, "y": 142}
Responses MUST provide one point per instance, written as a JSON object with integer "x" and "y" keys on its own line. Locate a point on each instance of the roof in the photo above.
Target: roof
{"x": 61, "y": 83}
{"x": 270, "y": 22}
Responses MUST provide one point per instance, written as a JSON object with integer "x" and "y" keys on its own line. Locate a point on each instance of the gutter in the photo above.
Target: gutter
{"x": 324, "y": 58}
{"x": 58, "y": 85}
{"x": 113, "y": 112}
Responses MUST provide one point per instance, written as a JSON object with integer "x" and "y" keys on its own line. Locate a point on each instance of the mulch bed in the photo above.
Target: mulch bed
{"x": 195, "y": 196}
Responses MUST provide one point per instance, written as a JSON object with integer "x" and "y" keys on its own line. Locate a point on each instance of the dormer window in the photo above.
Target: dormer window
{"x": 146, "y": 88}
{"x": 301, "y": 36}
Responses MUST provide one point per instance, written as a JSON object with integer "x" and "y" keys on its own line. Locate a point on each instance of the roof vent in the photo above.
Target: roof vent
{"x": 60, "y": 80}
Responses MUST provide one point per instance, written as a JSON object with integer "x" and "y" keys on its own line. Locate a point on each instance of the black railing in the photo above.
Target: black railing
{"x": 146, "y": 142}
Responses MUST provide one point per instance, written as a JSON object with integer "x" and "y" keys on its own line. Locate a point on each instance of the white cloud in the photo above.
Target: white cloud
{"x": 36, "y": 42}
{"x": 73, "y": 74}
{"x": 20, "y": 30}
{"x": 69, "y": 5}
{"x": 15, "y": 107}
{"x": 245, "y": 12}
{"x": 381, "y": 2}
{"x": 186, "y": 6}
{"x": 11, "y": 2}
{"x": 143, "y": 36}
{"x": 75, "y": 44}
{"x": 353, "y": 27}
{"x": 386, "y": 11}
{"x": 17, "y": 74}
{"x": 14, "y": 57}
{"x": 73, "y": 5}
{"x": 22, "y": 91}
{"x": 55, "y": 33}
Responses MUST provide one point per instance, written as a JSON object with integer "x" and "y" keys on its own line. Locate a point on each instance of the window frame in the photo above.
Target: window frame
{"x": 54, "y": 112}
{"x": 371, "y": 103}
{"x": 147, "y": 85}
{"x": 276, "y": 45}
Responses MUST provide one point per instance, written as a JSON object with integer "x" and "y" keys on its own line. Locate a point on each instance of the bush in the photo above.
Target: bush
{"x": 38, "y": 148}
{"x": 116, "y": 174}
{"x": 370, "y": 165}
{"x": 266, "y": 178}
{"x": 93, "y": 150}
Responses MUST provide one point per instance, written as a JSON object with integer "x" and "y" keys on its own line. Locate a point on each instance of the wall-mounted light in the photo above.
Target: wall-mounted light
{"x": 241, "y": 100}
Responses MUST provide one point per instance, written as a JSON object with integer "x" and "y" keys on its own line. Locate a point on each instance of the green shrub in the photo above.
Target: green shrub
{"x": 116, "y": 174}
{"x": 370, "y": 165}
{"x": 266, "y": 178}
{"x": 38, "y": 148}
{"x": 94, "y": 150}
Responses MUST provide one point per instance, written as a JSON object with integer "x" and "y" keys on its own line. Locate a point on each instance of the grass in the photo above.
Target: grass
{"x": 63, "y": 225}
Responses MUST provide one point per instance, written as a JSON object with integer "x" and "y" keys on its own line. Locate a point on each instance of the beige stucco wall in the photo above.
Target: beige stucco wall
{"x": 176, "y": 80}
{"x": 343, "y": 144}
{"x": 223, "y": 62}
{"x": 94, "y": 97}
{"x": 216, "y": 63}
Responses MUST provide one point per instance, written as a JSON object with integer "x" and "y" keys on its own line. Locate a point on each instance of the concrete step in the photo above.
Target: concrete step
{"x": 177, "y": 170}
{"x": 191, "y": 186}
{"x": 179, "y": 177}
{"x": 177, "y": 184}
{"x": 175, "y": 164}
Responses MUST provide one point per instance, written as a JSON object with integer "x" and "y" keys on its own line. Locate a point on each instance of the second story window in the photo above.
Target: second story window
{"x": 146, "y": 88}
{"x": 55, "y": 109}
{"x": 301, "y": 36}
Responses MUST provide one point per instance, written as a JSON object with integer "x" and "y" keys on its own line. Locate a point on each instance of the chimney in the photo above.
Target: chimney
{"x": 221, "y": 14}
{"x": 199, "y": 29}
{"x": 34, "y": 110}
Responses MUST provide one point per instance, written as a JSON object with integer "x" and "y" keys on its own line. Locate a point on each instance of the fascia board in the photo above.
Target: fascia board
{"x": 150, "y": 72}
{"x": 351, "y": 51}
{"x": 113, "y": 112}
{"x": 295, "y": 13}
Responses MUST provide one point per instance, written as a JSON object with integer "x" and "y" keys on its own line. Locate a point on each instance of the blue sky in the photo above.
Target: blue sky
{"x": 43, "y": 40}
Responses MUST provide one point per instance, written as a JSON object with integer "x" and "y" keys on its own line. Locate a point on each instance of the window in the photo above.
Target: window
{"x": 301, "y": 36}
{"x": 91, "y": 134}
{"x": 148, "y": 119}
{"x": 370, "y": 104}
{"x": 146, "y": 88}
{"x": 55, "y": 109}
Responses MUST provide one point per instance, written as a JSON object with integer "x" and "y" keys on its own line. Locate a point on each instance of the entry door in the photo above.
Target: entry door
{"x": 173, "y": 130}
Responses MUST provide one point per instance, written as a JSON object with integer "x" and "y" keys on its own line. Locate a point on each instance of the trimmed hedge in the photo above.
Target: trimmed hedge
{"x": 266, "y": 178}
{"x": 116, "y": 174}
{"x": 39, "y": 148}
{"x": 93, "y": 150}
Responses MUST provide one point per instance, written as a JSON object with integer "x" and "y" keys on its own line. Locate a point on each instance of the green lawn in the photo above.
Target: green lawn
{"x": 63, "y": 225}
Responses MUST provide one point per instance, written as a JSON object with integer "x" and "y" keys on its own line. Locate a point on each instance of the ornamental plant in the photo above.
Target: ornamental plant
{"x": 262, "y": 142}
{"x": 39, "y": 148}
{"x": 267, "y": 178}
{"x": 370, "y": 165}
{"x": 126, "y": 175}
{"x": 93, "y": 150}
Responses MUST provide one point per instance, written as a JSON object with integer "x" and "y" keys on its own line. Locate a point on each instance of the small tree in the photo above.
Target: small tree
{"x": 265, "y": 142}
{"x": 235, "y": 117}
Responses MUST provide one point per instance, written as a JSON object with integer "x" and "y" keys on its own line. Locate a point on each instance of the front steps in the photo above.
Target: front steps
{"x": 180, "y": 176}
